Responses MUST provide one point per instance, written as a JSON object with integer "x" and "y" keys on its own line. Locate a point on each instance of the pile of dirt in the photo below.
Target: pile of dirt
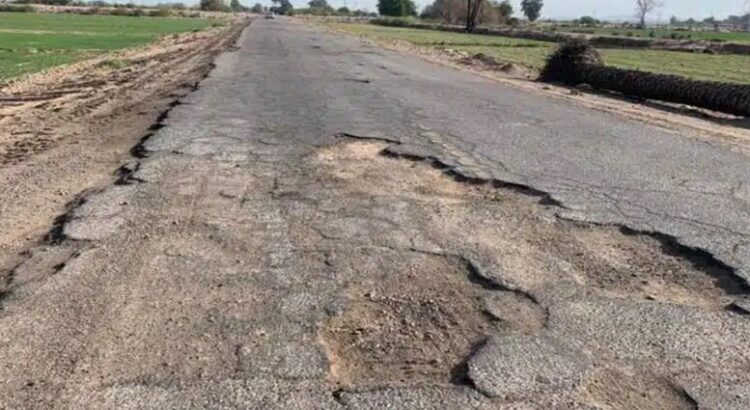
{"x": 564, "y": 63}
{"x": 577, "y": 62}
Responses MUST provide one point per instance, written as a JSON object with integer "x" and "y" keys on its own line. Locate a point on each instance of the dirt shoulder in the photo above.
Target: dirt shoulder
{"x": 687, "y": 121}
{"x": 64, "y": 131}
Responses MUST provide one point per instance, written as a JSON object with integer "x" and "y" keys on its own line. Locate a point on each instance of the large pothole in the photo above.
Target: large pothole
{"x": 420, "y": 320}
{"x": 417, "y": 322}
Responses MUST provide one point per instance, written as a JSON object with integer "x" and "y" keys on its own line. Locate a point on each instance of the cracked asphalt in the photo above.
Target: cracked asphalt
{"x": 323, "y": 224}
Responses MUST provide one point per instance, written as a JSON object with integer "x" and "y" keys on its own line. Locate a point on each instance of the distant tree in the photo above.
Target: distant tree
{"x": 236, "y": 6}
{"x": 645, "y": 7}
{"x": 323, "y": 4}
{"x": 344, "y": 11}
{"x": 397, "y": 8}
{"x": 429, "y": 12}
{"x": 588, "y": 21}
{"x": 257, "y": 8}
{"x": 504, "y": 11}
{"x": 282, "y": 7}
{"x": 455, "y": 12}
{"x": 53, "y": 2}
{"x": 674, "y": 21}
{"x": 532, "y": 9}
{"x": 212, "y": 5}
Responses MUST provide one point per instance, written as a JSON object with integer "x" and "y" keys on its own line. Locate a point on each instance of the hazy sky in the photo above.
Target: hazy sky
{"x": 613, "y": 9}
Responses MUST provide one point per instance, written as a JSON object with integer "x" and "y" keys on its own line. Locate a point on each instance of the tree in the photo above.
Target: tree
{"x": 429, "y": 13}
{"x": 344, "y": 11}
{"x": 212, "y": 5}
{"x": 532, "y": 8}
{"x": 282, "y": 7}
{"x": 257, "y": 8}
{"x": 397, "y": 8}
{"x": 236, "y": 6}
{"x": 472, "y": 11}
{"x": 588, "y": 21}
{"x": 320, "y": 7}
{"x": 643, "y": 8}
{"x": 455, "y": 12}
{"x": 504, "y": 11}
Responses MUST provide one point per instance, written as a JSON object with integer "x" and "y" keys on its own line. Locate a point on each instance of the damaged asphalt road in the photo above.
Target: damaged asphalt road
{"x": 327, "y": 225}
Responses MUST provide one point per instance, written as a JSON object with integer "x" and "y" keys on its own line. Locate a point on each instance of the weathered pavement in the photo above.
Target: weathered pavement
{"x": 327, "y": 225}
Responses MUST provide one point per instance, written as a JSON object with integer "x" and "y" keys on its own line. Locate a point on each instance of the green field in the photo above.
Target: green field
{"x": 679, "y": 34}
{"x": 532, "y": 54}
{"x": 32, "y": 42}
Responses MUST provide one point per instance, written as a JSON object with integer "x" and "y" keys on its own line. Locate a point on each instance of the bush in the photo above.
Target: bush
{"x": 563, "y": 64}
{"x": 8, "y": 8}
{"x": 393, "y": 22}
{"x": 160, "y": 13}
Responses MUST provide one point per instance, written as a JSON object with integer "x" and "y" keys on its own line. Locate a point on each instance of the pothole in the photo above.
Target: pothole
{"x": 416, "y": 324}
{"x": 535, "y": 245}
{"x": 610, "y": 389}
{"x": 419, "y": 317}
{"x": 639, "y": 265}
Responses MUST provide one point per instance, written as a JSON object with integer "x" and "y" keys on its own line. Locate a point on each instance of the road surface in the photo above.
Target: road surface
{"x": 323, "y": 224}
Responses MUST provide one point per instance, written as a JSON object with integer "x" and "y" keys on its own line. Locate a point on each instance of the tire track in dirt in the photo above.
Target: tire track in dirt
{"x": 64, "y": 132}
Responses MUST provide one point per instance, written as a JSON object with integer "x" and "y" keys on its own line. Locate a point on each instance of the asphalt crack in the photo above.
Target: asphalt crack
{"x": 702, "y": 259}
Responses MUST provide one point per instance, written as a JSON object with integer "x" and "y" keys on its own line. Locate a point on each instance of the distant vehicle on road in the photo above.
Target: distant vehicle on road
{"x": 271, "y": 16}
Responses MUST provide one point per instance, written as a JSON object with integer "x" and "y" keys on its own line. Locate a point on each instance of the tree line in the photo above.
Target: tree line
{"x": 468, "y": 12}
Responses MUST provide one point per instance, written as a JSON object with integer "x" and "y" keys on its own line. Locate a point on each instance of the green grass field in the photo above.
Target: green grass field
{"x": 680, "y": 34}
{"x": 532, "y": 54}
{"x": 32, "y": 42}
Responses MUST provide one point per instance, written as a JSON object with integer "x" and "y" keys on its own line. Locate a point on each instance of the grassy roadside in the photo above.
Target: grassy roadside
{"x": 32, "y": 42}
{"x": 532, "y": 54}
